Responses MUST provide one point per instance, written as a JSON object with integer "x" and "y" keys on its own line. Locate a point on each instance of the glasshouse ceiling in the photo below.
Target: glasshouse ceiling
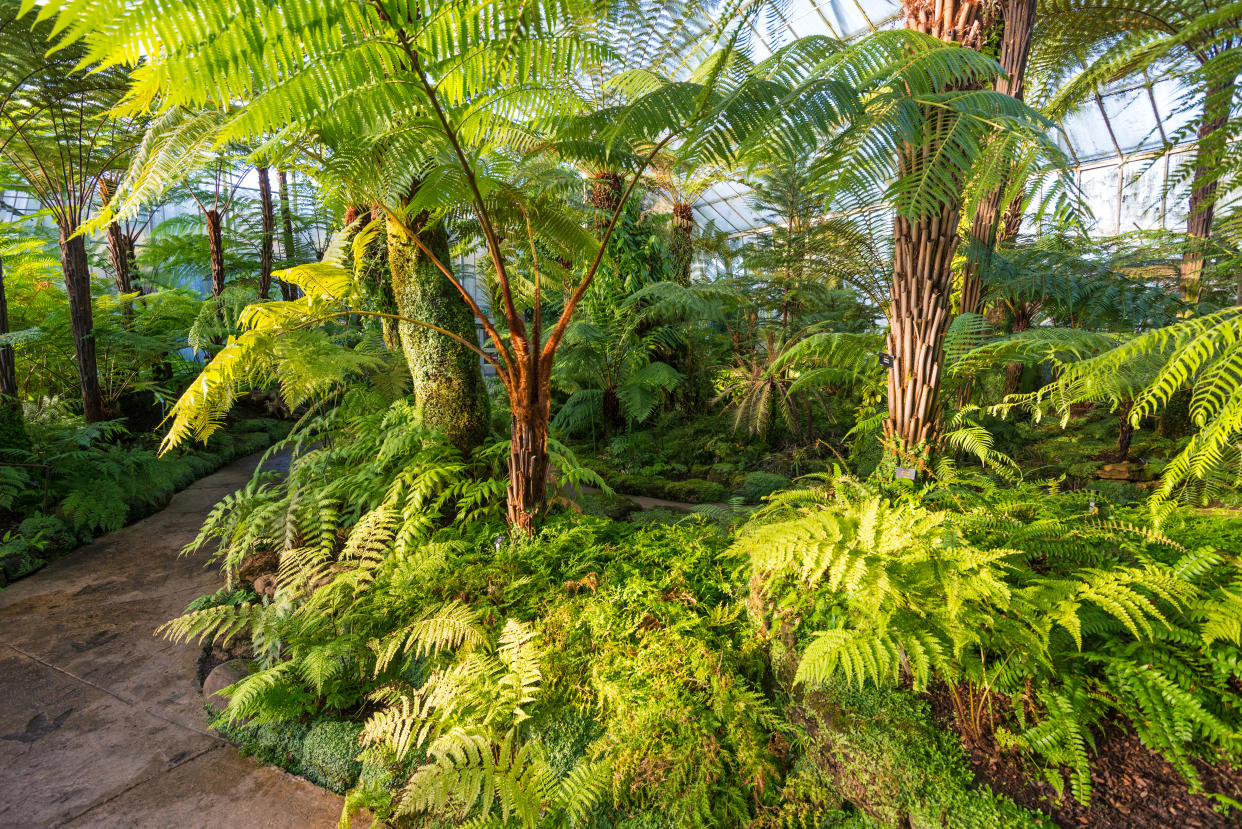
{"x": 1111, "y": 140}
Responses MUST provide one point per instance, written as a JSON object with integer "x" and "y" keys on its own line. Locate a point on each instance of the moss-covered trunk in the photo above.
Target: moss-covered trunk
{"x": 447, "y": 378}
{"x": 372, "y": 273}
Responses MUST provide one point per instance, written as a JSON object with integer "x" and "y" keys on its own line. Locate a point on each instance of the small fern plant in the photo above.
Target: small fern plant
{"x": 462, "y": 728}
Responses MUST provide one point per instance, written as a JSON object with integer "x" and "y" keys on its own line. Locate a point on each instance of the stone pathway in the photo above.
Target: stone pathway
{"x": 101, "y": 723}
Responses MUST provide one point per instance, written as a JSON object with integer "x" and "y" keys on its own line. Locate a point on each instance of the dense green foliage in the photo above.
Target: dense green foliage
{"x": 69, "y": 484}
{"x": 452, "y": 610}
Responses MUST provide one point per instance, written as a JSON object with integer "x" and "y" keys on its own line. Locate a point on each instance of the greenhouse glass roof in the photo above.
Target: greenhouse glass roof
{"x": 1112, "y": 140}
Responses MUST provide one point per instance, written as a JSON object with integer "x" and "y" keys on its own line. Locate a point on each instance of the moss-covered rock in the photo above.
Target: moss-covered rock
{"x": 758, "y": 485}
{"x": 696, "y": 491}
{"x": 329, "y": 754}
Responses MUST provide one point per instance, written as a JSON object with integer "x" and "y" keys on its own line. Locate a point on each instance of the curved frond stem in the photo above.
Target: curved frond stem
{"x": 516, "y": 323}
{"x": 549, "y": 349}
{"x": 398, "y": 318}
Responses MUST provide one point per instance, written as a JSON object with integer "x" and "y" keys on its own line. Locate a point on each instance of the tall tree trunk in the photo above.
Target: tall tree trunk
{"x": 269, "y": 232}
{"x": 120, "y": 246}
{"x": 923, "y": 256}
{"x": 528, "y": 454}
{"x": 449, "y": 393}
{"x": 288, "y": 292}
{"x": 1126, "y": 433}
{"x": 8, "y": 361}
{"x": 81, "y": 321}
{"x": 1216, "y": 108}
{"x": 1018, "y": 24}
{"x": 683, "y": 242}
{"x": 215, "y": 242}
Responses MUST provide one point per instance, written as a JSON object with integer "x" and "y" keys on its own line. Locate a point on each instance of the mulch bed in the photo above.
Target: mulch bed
{"x": 1132, "y": 787}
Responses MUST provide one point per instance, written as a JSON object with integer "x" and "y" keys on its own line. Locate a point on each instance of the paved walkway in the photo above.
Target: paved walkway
{"x": 101, "y": 723}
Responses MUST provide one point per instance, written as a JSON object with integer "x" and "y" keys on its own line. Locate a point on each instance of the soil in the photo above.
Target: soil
{"x": 211, "y": 655}
{"x": 1132, "y": 786}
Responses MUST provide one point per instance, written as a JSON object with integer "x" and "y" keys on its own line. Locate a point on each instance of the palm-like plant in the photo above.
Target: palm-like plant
{"x": 610, "y": 362}
{"x": 1200, "y": 43}
{"x": 758, "y": 389}
{"x": 392, "y": 96}
{"x": 58, "y": 137}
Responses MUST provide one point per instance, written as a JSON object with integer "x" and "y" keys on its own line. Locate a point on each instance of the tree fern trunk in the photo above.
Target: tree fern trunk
{"x": 8, "y": 360}
{"x": 604, "y": 195}
{"x": 448, "y": 382}
{"x": 215, "y": 242}
{"x": 268, "y": 242}
{"x": 119, "y": 248}
{"x": 923, "y": 256}
{"x": 288, "y": 292}
{"x": 683, "y": 242}
{"x": 1126, "y": 431}
{"x": 528, "y": 456}
{"x": 1018, "y": 24}
{"x": 81, "y": 320}
{"x": 1216, "y": 108}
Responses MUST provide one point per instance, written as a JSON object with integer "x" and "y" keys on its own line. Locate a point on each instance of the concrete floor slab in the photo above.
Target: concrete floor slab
{"x": 101, "y": 722}
{"x": 218, "y": 788}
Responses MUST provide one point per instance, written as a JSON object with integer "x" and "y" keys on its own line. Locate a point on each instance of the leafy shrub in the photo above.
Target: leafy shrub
{"x": 696, "y": 491}
{"x": 1118, "y": 493}
{"x": 20, "y": 555}
{"x": 14, "y": 440}
{"x": 757, "y": 485}
{"x": 100, "y": 485}
{"x": 278, "y": 743}
{"x": 659, "y": 515}
{"x": 877, "y": 750}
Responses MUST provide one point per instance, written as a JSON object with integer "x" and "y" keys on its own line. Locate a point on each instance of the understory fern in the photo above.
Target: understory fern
{"x": 1069, "y": 617}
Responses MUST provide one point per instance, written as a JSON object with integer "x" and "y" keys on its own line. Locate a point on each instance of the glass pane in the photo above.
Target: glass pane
{"x": 1099, "y": 189}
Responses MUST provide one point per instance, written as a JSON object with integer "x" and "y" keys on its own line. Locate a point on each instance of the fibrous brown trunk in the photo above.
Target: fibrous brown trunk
{"x": 528, "y": 456}
{"x": 923, "y": 255}
{"x": 1216, "y": 108}
{"x": 683, "y": 245}
{"x": 1018, "y": 24}
{"x": 918, "y": 321}
{"x": 288, "y": 292}
{"x": 604, "y": 195}
{"x": 1126, "y": 432}
{"x": 81, "y": 320}
{"x": 269, "y": 232}
{"x": 215, "y": 243}
{"x": 120, "y": 245}
{"x": 8, "y": 361}
{"x": 611, "y": 410}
